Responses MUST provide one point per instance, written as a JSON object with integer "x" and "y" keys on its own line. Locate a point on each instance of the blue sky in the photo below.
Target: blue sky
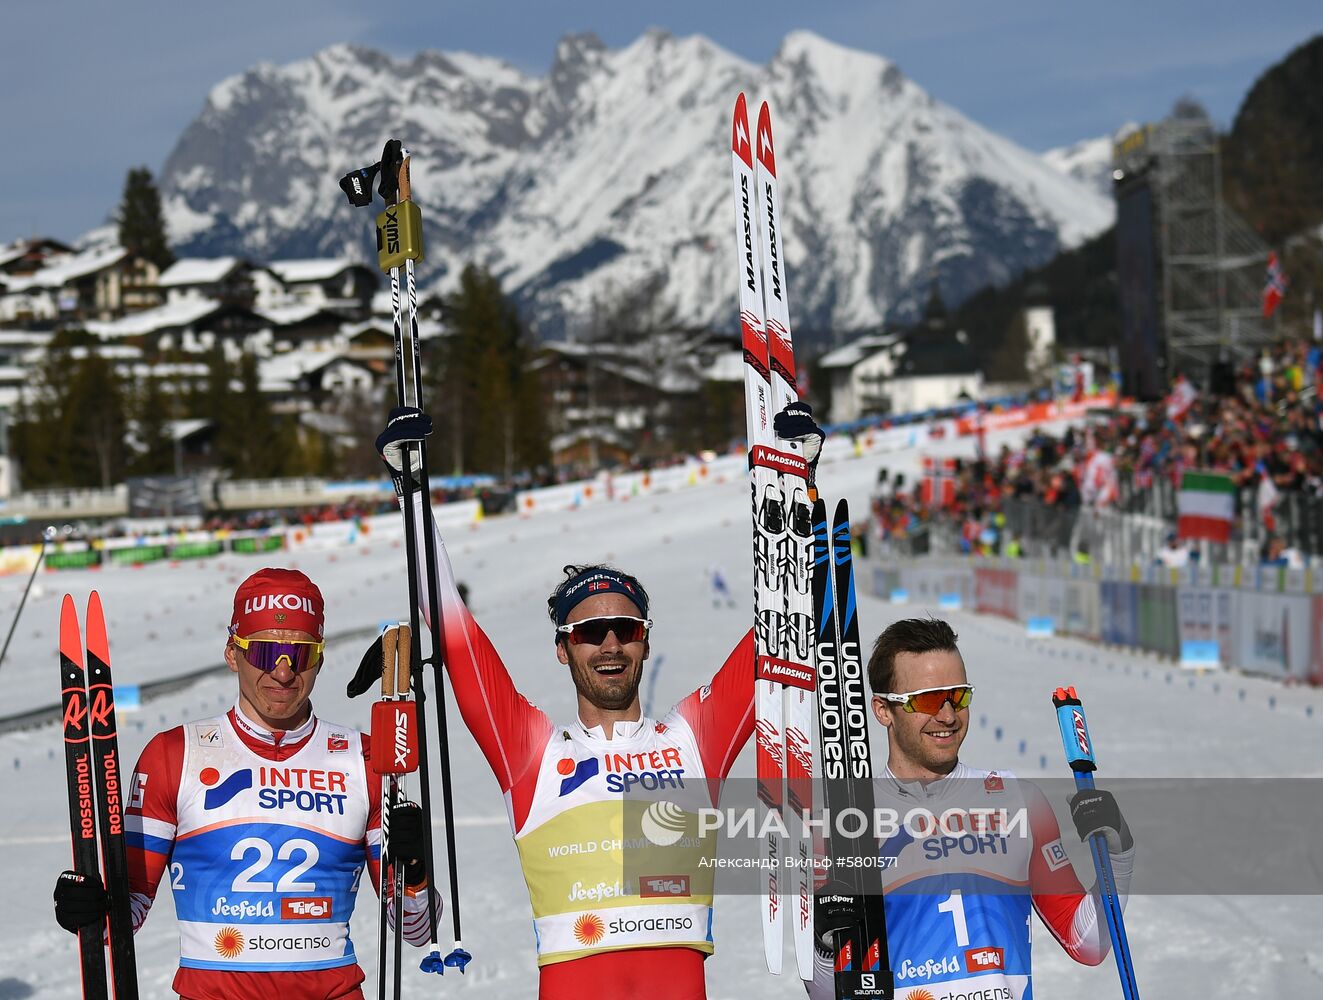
{"x": 89, "y": 89}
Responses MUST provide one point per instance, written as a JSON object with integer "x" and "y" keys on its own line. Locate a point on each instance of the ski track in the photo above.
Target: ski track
{"x": 165, "y": 620}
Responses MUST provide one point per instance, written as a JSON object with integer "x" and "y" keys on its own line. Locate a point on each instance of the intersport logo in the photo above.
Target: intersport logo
{"x": 949, "y": 966}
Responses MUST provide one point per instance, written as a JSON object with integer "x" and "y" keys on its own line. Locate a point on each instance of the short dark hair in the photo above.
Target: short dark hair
{"x": 909, "y": 635}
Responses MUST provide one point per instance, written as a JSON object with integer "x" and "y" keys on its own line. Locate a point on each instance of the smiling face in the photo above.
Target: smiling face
{"x": 606, "y": 676}
{"x": 920, "y": 746}
{"x": 278, "y": 700}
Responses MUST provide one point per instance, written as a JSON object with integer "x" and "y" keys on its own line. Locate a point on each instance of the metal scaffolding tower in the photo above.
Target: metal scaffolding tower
{"x": 1209, "y": 263}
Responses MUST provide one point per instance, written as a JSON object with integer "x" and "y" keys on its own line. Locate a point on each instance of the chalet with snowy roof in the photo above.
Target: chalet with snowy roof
{"x": 305, "y": 379}
{"x": 24, "y": 257}
{"x": 225, "y": 279}
{"x": 192, "y": 325}
{"x": 857, "y": 374}
{"x": 101, "y": 283}
{"x": 333, "y": 283}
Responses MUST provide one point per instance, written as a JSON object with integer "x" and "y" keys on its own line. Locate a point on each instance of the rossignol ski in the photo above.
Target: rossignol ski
{"x": 848, "y": 911}
{"x": 775, "y": 663}
{"x": 399, "y": 231}
{"x": 96, "y": 797}
{"x": 1079, "y": 755}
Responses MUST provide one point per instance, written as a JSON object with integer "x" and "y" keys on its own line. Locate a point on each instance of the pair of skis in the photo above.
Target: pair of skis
{"x": 399, "y": 231}
{"x": 782, "y": 533}
{"x": 848, "y": 912}
{"x": 97, "y": 794}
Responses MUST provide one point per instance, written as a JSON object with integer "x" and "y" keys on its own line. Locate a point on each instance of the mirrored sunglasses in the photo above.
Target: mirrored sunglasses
{"x": 929, "y": 701}
{"x": 267, "y": 654}
{"x": 593, "y": 631}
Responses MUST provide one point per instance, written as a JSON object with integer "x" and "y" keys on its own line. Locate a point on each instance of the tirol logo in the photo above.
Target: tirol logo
{"x": 228, "y": 942}
{"x": 985, "y": 959}
{"x": 588, "y": 929}
{"x": 652, "y": 886}
{"x": 1081, "y": 733}
{"x": 575, "y": 774}
{"x": 307, "y": 908}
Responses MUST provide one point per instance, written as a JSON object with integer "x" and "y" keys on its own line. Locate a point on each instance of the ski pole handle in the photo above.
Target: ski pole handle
{"x": 1074, "y": 730}
{"x": 1079, "y": 755}
{"x": 404, "y": 665}
{"x": 388, "y": 640}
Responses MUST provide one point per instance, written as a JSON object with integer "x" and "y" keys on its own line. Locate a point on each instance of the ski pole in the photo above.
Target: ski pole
{"x": 400, "y": 240}
{"x": 47, "y": 536}
{"x": 1079, "y": 755}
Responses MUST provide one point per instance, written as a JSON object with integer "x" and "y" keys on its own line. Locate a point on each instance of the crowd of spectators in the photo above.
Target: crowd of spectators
{"x": 1263, "y": 428}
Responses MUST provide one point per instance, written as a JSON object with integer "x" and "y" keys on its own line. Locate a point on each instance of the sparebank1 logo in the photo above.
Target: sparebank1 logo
{"x": 663, "y": 823}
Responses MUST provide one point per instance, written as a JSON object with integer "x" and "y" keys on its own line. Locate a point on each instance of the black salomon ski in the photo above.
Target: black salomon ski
{"x": 848, "y": 909}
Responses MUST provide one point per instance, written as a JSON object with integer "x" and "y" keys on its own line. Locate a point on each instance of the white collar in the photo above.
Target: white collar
{"x": 621, "y": 729}
{"x": 259, "y": 732}
{"x": 928, "y": 789}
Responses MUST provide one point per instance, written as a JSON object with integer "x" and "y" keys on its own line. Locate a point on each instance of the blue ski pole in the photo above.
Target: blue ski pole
{"x": 1079, "y": 755}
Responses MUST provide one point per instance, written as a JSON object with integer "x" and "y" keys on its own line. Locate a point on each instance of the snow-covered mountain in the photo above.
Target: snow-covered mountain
{"x": 1088, "y": 161}
{"x": 614, "y": 167}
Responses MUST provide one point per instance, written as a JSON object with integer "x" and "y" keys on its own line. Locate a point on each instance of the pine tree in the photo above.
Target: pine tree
{"x": 151, "y": 415}
{"x": 487, "y": 406}
{"x": 141, "y": 223}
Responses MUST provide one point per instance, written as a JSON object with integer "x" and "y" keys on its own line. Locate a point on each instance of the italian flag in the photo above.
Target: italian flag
{"x": 1206, "y": 504}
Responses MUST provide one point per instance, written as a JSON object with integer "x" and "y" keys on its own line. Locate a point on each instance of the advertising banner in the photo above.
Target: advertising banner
{"x": 995, "y": 591}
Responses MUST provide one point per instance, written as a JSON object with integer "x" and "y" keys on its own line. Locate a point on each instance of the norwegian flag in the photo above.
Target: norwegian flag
{"x": 938, "y": 486}
{"x": 1275, "y": 286}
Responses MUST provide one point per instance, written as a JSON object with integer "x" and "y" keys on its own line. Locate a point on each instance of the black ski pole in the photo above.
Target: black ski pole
{"x": 47, "y": 536}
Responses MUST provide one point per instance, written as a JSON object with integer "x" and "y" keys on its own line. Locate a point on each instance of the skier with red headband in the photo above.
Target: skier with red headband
{"x": 612, "y": 919}
{"x": 265, "y": 818}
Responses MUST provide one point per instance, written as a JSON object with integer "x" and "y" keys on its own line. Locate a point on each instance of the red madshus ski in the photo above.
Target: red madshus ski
{"x": 796, "y": 552}
{"x": 109, "y": 781}
{"x": 849, "y": 906}
{"x": 79, "y": 772}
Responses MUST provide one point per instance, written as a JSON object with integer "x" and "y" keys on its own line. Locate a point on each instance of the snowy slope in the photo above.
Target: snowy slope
{"x": 1184, "y": 946}
{"x": 1088, "y": 161}
{"x": 613, "y": 167}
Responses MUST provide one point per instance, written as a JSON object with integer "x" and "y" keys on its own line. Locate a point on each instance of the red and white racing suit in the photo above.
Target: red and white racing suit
{"x": 614, "y": 917}
{"x": 265, "y": 836}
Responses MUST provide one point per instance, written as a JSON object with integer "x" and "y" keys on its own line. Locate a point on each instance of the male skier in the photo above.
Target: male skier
{"x": 611, "y": 922}
{"x": 961, "y": 877}
{"x": 265, "y": 817}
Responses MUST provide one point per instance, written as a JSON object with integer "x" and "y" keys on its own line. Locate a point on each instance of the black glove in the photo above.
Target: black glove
{"x": 1096, "y": 811}
{"x": 406, "y": 842}
{"x": 796, "y": 423}
{"x": 368, "y": 675}
{"x": 405, "y": 424}
{"x": 80, "y": 901}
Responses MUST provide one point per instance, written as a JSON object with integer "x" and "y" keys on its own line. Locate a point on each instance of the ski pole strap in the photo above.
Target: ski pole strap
{"x": 1074, "y": 730}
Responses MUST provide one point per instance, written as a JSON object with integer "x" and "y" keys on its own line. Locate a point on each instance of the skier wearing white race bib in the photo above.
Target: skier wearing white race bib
{"x": 263, "y": 820}
{"x": 971, "y": 854}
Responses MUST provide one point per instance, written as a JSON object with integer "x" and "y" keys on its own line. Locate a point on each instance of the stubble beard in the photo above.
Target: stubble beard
{"x": 609, "y": 694}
